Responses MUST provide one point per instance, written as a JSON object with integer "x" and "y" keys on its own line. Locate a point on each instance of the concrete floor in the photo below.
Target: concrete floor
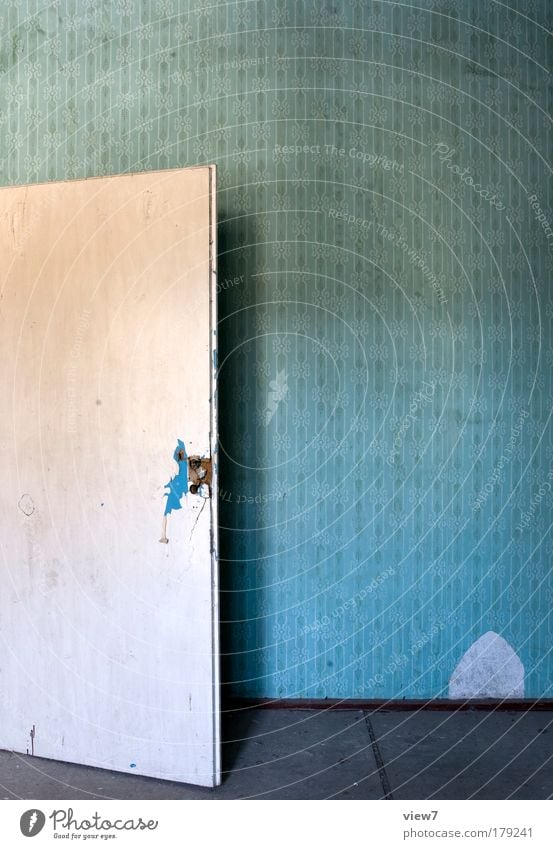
{"x": 308, "y": 754}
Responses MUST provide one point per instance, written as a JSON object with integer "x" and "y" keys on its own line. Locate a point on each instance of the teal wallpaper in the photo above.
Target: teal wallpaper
{"x": 386, "y": 313}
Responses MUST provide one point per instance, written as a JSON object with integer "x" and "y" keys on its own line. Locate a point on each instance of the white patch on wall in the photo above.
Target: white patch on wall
{"x": 489, "y": 669}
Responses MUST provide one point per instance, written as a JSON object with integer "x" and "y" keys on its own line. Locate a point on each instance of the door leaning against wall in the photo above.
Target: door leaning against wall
{"x": 108, "y": 618}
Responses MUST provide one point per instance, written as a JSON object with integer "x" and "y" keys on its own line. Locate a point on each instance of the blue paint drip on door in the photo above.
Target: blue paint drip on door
{"x": 178, "y": 485}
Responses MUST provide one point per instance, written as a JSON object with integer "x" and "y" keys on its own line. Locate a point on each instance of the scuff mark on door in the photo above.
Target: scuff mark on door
{"x": 26, "y": 504}
{"x": 32, "y": 735}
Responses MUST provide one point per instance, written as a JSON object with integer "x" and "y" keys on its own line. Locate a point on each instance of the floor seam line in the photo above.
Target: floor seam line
{"x": 386, "y": 787}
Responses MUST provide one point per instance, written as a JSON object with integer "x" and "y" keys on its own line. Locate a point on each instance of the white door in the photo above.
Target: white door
{"x": 108, "y": 605}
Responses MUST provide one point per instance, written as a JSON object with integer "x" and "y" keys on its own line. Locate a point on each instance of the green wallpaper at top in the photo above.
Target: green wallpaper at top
{"x": 385, "y": 337}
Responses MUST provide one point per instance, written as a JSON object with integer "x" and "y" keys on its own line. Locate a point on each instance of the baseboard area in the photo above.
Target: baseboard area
{"x": 237, "y": 703}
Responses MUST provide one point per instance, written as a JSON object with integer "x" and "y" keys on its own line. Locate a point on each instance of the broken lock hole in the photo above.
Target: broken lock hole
{"x": 199, "y": 474}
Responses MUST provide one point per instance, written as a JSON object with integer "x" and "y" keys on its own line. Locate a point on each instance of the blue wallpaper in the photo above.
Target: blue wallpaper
{"x": 385, "y": 338}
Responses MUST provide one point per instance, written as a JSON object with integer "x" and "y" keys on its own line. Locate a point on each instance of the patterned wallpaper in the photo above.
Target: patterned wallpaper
{"x": 385, "y": 350}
